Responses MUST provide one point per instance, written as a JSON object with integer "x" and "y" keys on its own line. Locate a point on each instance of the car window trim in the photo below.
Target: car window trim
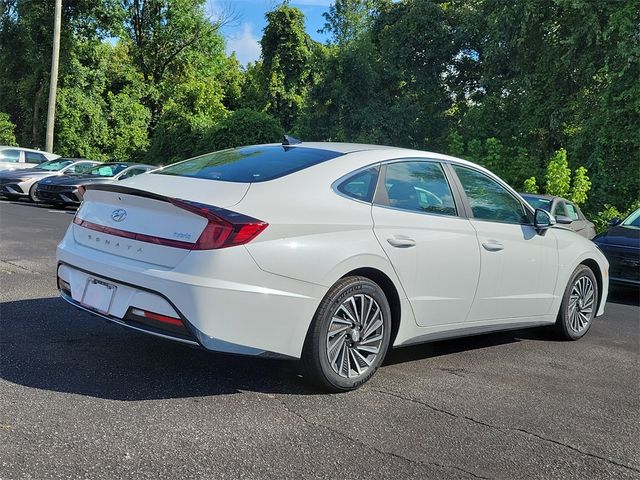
{"x": 527, "y": 209}
{"x": 380, "y": 198}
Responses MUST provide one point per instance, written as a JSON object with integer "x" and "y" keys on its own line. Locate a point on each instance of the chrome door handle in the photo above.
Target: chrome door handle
{"x": 492, "y": 245}
{"x": 401, "y": 241}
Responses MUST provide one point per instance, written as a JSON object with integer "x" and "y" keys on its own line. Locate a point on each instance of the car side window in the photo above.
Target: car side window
{"x": 572, "y": 211}
{"x": 488, "y": 199}
{"x": 361, "y": 185}
{"x": 10, "y": 155}
{"x": 80, "y": 168}
{"x": 559, "y": 209}
{"x": 417, "y": 186}
{"x": 33, "y": 157}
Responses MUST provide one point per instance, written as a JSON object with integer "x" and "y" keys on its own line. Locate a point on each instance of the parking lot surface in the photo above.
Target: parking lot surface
{"x": 80, "y": 398}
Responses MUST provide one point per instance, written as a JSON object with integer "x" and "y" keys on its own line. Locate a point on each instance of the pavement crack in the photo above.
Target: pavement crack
{"x": 513, "y": 429}
{"x": 13, "y": 264}
{"x": 373, "y": 447}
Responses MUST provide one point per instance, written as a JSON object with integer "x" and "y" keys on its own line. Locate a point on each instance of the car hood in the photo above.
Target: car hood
{"x": 620, "y": 235}
{"x": 76, "y": 180}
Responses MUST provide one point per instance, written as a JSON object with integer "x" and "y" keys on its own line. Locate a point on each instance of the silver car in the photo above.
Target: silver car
{"x": 566, "y": 212}
{"x": 14, "y": 158}
{"x": 22, "y": 183}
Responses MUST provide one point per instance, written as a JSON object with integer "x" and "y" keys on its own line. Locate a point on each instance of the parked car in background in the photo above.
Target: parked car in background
{"x": 565, "y": 211}
{"x": 22, "y": 183}
{"x": 13, "y": 158}
{"x": 621, "y": 246}
{"x": 328, "y": 252}
{"x": 64, "y": 191}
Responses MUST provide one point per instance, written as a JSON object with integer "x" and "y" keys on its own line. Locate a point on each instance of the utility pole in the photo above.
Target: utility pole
{"x": 53, "y": 85}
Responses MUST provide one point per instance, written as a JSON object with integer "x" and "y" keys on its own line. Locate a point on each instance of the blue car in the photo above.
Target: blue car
{"x": 621, "y": 246}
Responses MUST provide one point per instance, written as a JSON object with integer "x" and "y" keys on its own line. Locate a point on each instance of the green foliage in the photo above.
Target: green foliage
{"x": 580, "y": 186}
{"x": 603, "y": 217}
{"x": 287, "y": 51}
{"x": 558, "y": 178}
{"x": 242, "y": 127}
{"x": 7, "y": 129}
{"x": 530, "y": 185}
{"x": 455, "y": 144}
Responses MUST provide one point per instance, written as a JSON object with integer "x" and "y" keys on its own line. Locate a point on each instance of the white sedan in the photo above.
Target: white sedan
{"x": 325, "y": 252}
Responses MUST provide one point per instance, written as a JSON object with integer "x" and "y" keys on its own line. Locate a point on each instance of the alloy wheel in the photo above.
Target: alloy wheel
{"x": 581, "y": 304}
{"x": 355, "y": 335}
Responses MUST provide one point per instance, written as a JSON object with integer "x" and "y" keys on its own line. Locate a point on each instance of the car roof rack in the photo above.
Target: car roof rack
{"x": 289, "y": 140}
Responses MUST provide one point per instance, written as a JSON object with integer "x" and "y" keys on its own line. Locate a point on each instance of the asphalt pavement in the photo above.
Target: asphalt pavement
{"x": 80, "y": 398}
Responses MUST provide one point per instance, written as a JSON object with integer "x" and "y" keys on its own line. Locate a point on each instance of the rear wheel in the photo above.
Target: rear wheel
{"x": 349, "y": 336}
{"x": 579, "y": 304}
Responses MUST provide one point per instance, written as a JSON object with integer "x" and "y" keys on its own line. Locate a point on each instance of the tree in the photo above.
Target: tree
{"x": 7, "y": 129}
{"x": 287, "y": 51}
{"x": 558, "y": 178}
{"x": 580, "y": 186}
{"x": 530, "y": 185}
{"x": 346, "y": 19}
{"x": 242, "y": 127}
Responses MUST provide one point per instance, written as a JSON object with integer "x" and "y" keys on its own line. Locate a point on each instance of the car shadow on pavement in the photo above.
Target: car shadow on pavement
{"x": 624, "y": 295}
{"x": 29, "y": 204}
{"x": 47, "y": 344}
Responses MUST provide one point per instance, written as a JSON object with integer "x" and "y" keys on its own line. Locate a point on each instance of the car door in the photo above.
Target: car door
{"x": 519, "y": 265}
{"x": 431, "y": 245}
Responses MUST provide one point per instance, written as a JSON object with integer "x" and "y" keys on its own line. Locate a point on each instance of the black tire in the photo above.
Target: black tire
{"x": 32, "y": 194}
{"x": 583, "y": 311}
{"x": 315, "y": 357}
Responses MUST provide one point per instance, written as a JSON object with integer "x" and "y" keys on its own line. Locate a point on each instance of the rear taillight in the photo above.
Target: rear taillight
{"x": 224, "y": 227}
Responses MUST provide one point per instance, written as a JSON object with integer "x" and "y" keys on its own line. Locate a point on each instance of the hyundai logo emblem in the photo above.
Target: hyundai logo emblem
{"x": 119, "y": 215}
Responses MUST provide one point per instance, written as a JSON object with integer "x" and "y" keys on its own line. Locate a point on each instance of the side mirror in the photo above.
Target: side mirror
{"x": 543, "y": 219}
{"x": 615, "y": 221}
{"x": 563, "y": 220}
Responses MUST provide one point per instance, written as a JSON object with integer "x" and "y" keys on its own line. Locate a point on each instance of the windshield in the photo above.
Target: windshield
{"x": 633, "y": 220}
{"x": 537, "y": 202}
{"x": 107, "y": 170}
{"x": 54, "y": 165}
{"x": 249, "y": 164}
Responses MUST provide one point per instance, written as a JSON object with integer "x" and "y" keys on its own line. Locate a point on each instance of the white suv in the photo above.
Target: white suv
{"x": 12, "y": 158}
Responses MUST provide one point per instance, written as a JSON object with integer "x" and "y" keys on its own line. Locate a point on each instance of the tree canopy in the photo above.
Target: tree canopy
{"x": 531, "y": 89}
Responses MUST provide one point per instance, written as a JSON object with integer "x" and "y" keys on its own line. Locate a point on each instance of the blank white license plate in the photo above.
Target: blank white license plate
{"x": 98, "y": 295}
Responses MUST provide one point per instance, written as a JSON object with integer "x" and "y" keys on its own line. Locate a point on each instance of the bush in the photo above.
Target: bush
{"x": 242, "y": 127}
{"x": 7, "y": 130}
{"x": 602, "y": 219}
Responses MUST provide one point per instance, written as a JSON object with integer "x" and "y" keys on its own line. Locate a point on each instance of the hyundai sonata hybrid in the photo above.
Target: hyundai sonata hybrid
{"x": 326, "y": 252}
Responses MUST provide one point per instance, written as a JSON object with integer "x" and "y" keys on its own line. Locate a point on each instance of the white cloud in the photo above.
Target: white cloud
{"x": 245, "y": 44}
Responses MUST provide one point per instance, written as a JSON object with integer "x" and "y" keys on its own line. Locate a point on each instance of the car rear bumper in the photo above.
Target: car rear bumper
{"x": 238, "y": 309}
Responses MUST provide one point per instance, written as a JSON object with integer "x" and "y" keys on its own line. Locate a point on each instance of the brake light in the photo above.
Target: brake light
{"x": 224, "y": 227}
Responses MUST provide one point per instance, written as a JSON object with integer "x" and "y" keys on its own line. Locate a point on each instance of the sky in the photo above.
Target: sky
{"x": 243, "y": 35}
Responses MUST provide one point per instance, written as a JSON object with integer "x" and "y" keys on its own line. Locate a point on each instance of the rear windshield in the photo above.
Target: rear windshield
{"x": 537, "y": 202}
{"x": 249, "y": 164}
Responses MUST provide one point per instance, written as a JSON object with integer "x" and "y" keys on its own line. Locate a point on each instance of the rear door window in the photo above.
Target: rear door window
{"x": 418, "y": 186}
{"x": 33, "y": 157}
{"x": 258, "y": 163}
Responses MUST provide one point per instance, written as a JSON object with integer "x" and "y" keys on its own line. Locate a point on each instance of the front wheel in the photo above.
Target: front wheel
{"x": 579, "y": 304}
{"x": 349, "y": 336}
{"x": 32, "y": 194}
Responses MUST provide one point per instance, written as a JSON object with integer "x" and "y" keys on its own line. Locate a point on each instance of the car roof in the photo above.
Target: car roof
{"x": 5, "y": 147}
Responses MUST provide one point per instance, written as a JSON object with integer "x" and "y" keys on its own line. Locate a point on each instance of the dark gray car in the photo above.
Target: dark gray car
{"x": 63, "y": 191}
{"x": 19, "y": 183}
{"x": 566, "y": 212}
